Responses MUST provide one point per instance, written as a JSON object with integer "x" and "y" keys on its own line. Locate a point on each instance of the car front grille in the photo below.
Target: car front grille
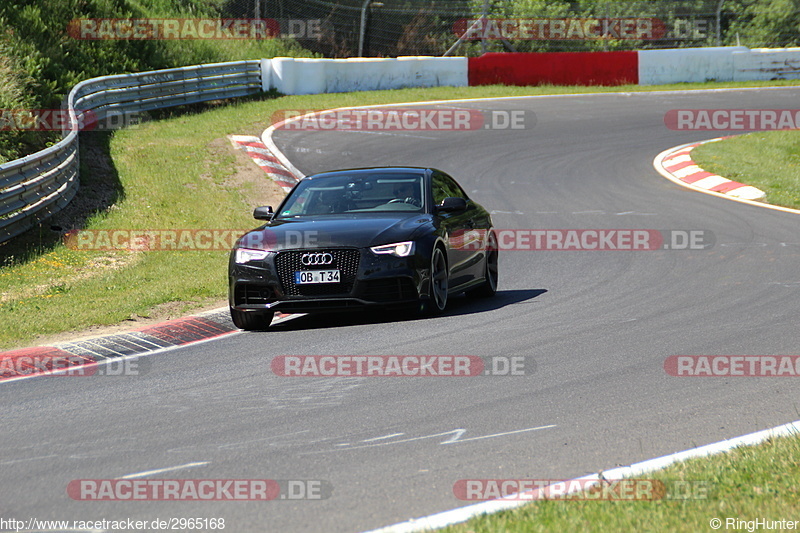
{"x": 344, "y": 259}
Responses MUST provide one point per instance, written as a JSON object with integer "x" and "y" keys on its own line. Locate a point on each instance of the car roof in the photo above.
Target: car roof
{"x": 421, "y": 171}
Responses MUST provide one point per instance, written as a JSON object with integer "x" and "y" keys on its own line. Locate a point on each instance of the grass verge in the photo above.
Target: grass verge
{"x": 746, "y": 484}
{"x": 177, "y": 172}
{"x": 769, "y": 161}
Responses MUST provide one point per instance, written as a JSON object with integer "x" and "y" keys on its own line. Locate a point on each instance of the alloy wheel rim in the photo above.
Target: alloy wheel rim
{"x": 439, "y": 279}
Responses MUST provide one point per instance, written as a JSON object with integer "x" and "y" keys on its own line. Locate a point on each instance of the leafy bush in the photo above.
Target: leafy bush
{"x": 40, "y": 62}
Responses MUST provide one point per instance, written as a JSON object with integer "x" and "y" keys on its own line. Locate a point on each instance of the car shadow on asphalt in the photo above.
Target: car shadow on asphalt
{"x": 456, "y": 306}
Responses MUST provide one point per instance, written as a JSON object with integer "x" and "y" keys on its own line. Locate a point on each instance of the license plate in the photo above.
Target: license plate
{"x": 316, "y": 276}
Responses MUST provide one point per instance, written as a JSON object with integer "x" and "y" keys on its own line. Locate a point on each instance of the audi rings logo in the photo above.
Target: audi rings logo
{"x": 316, "y": 259}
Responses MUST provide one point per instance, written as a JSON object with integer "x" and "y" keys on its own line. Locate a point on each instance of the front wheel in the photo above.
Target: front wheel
{"x": 439, "y": 282}
{"x": 251, "y": 320}
{"x": 489, "y": 287}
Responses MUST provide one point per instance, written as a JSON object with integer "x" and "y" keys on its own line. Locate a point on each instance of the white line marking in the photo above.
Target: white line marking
{"x": 410, "y": 439}
{"x": 162, "y": 470}
{"x": 384, "y": 437}
{"x": 513, "y": 501}
{"x": 455, "y": 439}
{"x": 28, "y": 459}
{"x": 502, "y": 434}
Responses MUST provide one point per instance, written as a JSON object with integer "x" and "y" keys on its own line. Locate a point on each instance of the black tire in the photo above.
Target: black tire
{"x": 251, "y": 320}
{"x": 437, "y": 301}
{"x": 488, "y": 288}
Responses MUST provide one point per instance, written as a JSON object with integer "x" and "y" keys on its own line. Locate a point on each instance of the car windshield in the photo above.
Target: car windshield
{"x": 357, "y": 193}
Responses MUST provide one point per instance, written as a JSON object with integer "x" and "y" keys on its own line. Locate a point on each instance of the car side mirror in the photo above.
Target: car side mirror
{"x": 263, "y": 213}
{"x": 452, "y": 204}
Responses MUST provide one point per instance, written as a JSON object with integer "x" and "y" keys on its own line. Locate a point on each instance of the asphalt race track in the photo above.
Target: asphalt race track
{"x": 594, "y": 326}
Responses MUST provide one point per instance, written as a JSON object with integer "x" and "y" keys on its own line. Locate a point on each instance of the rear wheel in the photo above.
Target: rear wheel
{"x": 489, "y": 286}
{"x": 251, "y": 320}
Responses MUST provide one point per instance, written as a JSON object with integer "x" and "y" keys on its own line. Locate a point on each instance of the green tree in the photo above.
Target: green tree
{"x": 766, "y": 23}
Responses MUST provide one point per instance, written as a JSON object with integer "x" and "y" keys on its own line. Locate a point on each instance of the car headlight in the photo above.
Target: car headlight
{"x": 245, "y": 255}
{"x": 398, "y": 249}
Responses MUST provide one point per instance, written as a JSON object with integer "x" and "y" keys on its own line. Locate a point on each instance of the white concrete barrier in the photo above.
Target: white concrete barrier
{"x": 292, "y": 75}
{"x": 687, "y": 65}
{"x": 266, "y": 74}
{"x": 315, "y": 76}
{"x": 767, "y": 64}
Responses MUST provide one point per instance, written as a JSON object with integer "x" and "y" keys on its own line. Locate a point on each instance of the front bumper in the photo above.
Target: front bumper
{"x": 367, "y": 280}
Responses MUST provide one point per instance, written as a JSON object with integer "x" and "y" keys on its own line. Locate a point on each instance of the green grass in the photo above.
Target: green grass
{"x": 172, "y": 175}
{"x": 769, "y": 161}
{"x": 747, "y": 483}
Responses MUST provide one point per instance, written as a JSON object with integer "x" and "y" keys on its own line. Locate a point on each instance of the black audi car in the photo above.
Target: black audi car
{"x": 349, "y": 239}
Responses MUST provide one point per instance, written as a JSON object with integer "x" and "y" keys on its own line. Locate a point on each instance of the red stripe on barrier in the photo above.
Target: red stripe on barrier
{"x": 697, "y": 176}
{"x": 273, "y": 170}
{"x": 253, "y": 144}
{"x": 677, "y": 166}
{"x": 258, "y": 155}
{"x": 728, "y": 186}
{"x": 187, "y": 330}
{"x": 557, "y": 68}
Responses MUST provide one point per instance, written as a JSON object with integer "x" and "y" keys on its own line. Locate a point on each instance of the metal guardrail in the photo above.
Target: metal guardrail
{"x": 37, "y": 186}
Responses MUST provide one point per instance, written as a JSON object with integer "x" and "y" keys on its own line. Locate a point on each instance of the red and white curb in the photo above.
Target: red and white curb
{"x": 513, "y": 501}
{"x": 45, "y": 360}
{"x": 265, "y": 158}
{"x": 678, "y": 164}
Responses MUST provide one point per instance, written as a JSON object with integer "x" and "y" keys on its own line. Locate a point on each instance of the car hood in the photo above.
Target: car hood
{"x": 336, "y": 230}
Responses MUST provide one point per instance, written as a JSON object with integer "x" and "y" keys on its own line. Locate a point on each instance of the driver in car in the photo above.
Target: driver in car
{"x": 407, "y": 192}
